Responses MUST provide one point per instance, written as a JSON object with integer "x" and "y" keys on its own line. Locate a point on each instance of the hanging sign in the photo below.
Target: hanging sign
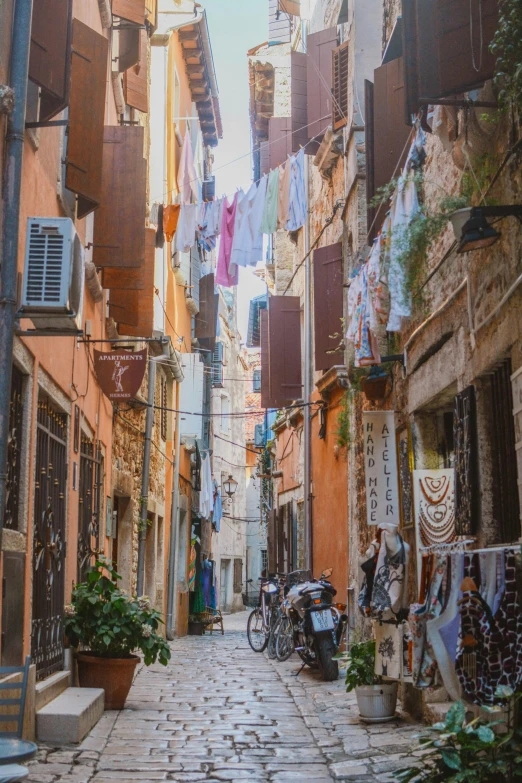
{"x": 380, "y": 465}
{"x": 120, "y": 373}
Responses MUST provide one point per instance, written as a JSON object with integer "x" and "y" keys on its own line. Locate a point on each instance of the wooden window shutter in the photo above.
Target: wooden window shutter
{"x": 446, "y": 46}
{"x": 370, "y": 159}
{"x": 340, "y": 62}
{"x": 119, "y": 239}
{"x": 265, "y": 360}
{"x": 298, "y": 84}
{"x": 86, "y": 116}
{"x": 279, "y": 24}
{"x": 328, "y": 305}
{"x": 128, "y": 47}
{"x": 292, "y": 7}
{"x": 131, "y": 10}
{"x": 264, "y": 158}
{"x": 466, "y": 462}
{"x": 135, "y": 308}
{"x": 135, "y": 79}
{"x": 280, "y": 140}
{"x": 206, "y": 319}
{"x": 272, "y": 541}
{"x": 319, "y": 81}
{"x": 137, "y": 279}
{"x": 281, "y": 518}
{"x": 390, "y": 132}
{"x": 284, "y": 334}
{"x": 50, "y": 54}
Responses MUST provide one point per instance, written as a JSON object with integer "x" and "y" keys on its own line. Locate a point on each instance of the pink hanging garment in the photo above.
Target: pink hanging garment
{"x": 223, "y": 276}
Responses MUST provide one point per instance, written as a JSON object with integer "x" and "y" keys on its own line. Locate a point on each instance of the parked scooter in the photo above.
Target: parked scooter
{"x": 312, "y": 624}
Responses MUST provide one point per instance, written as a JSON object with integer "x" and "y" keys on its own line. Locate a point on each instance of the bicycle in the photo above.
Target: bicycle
{"x": 260, "y": 625}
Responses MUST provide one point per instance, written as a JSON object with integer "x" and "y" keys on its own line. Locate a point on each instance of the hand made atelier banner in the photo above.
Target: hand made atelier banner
{"x": 380, "y": 465}
{"x": 120, "y": 373}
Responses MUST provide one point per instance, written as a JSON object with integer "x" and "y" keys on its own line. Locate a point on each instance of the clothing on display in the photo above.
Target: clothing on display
{"x": 218, "y": 508}
{"x": 385, "y": 587}
{"x": 206, "y": 495}
{"x": 170, "y": 220}
{"x": 388, "y": 649}
{"x": 186, "y": 228}
{"x": 424, "y": 662}
{"x": 243, "y": 243}
{"x": 223, "y": 274}
{"x": 297, "y": 202}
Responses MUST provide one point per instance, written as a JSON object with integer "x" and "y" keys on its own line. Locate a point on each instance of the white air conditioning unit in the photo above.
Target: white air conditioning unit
{"x": 54, "y": 274}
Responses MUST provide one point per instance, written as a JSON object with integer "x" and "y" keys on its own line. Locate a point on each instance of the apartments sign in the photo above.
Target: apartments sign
{"x": 380, "y": 465}
{"x": 120, "y": 373}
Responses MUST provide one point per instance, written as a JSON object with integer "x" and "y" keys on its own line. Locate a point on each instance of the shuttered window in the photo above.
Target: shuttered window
{"x": 135, "y": 79}
{"x": 134, "y": 308}
{"x": 264, "y": 158}
{"x": 126, "y": 45}
{"x": 390, "y": 132}
{"x": 206, "y": 319}
{"x": 370, "y": 162}
{"x": 119, "y": 238}
{"x": 446, "y": 47}
{"x": 319, "y": 80}
{"x": 280, "y": 140}
{"x": 328, "y": 305}
{"x": 298, "y": 95}
{"x": 217, "y": 366}
{"x": 466, "y": 462}
{"x": 238, "y": 575}
{"x": 256, "y": 381}
{"x": 50, "y": 55}
{"x": 86, "y": 116}
{"x": 340, "y": 57}
{"x": 265, "y": 360}
{"x": 131, "y": 10}
{"x": 279, "y": 24}
{"x": 281, "y": 352}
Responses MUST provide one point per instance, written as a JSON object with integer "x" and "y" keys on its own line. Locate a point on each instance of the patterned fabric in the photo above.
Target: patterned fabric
{"x": 443, "y": 631}
{"x": 389, "y": 595}
{"x": 365, "y": 596}
{"x": 424, "y": 662}
{"x": 388, "y": 650}
{"x": 490, "y": 651}
{"x": 192, "y": 564}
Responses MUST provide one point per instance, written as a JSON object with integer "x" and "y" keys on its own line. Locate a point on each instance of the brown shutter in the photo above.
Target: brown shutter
{"x": 138, "y": 279}
{"x": 119, "y": 222}
{"x": 319, "y": 79}
{"x": 131, "y": 10}
{"x": 292, "y": 7}
{"x": 272, "y": 541}
{"x": 280, "y": 140}
{"x": 135, "y": 79}
{"x": 206, "y": 319}
{"x": 328, "y": 305}
{"x": 298, "y": 69}
{"x": 265, "y": 360}
{"x": 370, "y": 161}
{"x": 281, "y": 540}
{"x": 279, "y": 24}
{"x": 442, "y": 44}
{"x": 340, "y": 62}
{"x": 86, "y": 116}
{"x": 134, "y": 310}
{"x": 390, "y": 132}
{"x": 284, "y": 334}
{"x": 128, "y": 47}
{"x": 264, "y": 158}
{"x": 50, "y": 59}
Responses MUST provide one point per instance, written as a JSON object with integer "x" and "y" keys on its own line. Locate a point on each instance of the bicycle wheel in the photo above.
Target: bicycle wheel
{"x": 274, "y": 624}
{"x": 284, "y": 639}
{"x": 256, "y": 632}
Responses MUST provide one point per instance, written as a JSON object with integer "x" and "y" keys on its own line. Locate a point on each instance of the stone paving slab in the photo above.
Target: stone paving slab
{"x": 220, "y": 713}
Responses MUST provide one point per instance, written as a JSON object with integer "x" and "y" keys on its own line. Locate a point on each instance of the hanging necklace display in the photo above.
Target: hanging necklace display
{"x": 434, "y": 496}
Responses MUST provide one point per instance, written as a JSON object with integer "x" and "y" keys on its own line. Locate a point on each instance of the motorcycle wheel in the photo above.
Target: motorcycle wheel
{"x": 326, "y": 649}
{"x": 257, "y": 637}
{"x": 284, "y": 640}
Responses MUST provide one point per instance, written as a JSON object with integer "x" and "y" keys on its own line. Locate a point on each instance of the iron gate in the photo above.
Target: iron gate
{"x": 14, "y": 450}
{"x": 91, "y": 483}
{"x": 49, "y": 540}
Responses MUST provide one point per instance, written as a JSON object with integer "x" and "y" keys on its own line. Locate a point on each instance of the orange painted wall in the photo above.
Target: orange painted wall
{"x": 330, "y": 500}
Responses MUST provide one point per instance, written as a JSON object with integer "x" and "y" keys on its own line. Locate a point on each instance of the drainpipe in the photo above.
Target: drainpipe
{"x": 19, "y": 68}
{"x": 172, "y": 606}
{"x": 145, "y": 475}
{"x": 307, "y": 385}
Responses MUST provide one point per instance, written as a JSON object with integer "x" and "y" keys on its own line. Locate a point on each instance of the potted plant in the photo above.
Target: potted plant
{"x": 375, "y": 384}
{"x": 469, "y": 751}
{"x": 196, "y": 624}
{"x": 107, "y": 627}
{"x": 376, "y": 699}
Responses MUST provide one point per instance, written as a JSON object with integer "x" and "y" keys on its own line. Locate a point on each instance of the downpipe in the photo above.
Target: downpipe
{"x": 172, "y": 609}
{"x": 145, "y": 476}
{"x": 12, "y": 185}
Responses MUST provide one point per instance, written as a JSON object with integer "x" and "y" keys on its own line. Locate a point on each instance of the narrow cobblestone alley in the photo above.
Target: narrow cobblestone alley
{"x": 220, "y": 712}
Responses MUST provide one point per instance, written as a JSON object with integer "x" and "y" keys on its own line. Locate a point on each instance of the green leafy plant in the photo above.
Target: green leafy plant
{"x": 468, "y": 752}
{"x": 105, "y": 621}
{"x": 361, "y": 665}
{"x": 507, "y": 47}
{"x": 356, "y": 376}
{"x": 475, "y": 183}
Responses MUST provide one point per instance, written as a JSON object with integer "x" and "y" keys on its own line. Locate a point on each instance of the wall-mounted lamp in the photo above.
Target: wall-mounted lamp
{"x": 472, "y": 229}
{"x": 230, "y": 486}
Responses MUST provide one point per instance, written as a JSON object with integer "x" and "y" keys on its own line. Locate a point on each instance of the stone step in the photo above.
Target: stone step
{"x": 51, "y": 688}
{"x": 70, "y": 717}
{"x": 435, "y": 712}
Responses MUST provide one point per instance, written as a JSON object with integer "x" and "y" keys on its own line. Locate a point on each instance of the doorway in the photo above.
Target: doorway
{"x": 224, "y": 588}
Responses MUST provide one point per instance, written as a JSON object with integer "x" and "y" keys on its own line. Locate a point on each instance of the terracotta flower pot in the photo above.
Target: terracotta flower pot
{"x": 375, "y": 388}
{"x": 114, "y": 675}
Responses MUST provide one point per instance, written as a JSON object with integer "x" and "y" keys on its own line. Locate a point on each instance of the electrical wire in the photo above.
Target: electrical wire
{"x": 130, "y": 423}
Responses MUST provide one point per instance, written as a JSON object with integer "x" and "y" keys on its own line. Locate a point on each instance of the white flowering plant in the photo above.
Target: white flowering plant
{"x": 105, "y": 621}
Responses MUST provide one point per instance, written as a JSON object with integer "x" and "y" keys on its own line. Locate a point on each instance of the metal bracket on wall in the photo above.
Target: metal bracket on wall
{"x": 395, "y": 357}
{"x": 48, "y": 124}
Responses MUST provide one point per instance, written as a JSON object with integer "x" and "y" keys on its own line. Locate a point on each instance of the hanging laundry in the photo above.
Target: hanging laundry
{"x": 187, "y": 177}
{"x": 255, "y": 220}
{"x": 297, "y": 203}
{"x": 170, "y": 220}
{"x": 206, "y": 496}
{"x": 223, "y": 275}
{"x": 359, "y": 313}
{"x": 405, "y": 206}
{"x": 206, "y": 581}
{"x": 378, "y": 293}
{"x": 283, "y": 194}
{"x": 218, "y": 508}
{"x": 192, "y": 564}
{"x": 186, "y": 228}
{"x": 269, "y": 222}
{"x": 242, "y": 244}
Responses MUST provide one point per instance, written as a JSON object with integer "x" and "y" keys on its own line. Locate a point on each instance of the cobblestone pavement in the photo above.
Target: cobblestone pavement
{"x": 220, "y": 712}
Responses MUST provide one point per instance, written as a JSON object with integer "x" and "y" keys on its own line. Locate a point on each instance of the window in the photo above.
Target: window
{"x": 238, "y": 575}
{"x": 264, "y": 560}
{"x": 256, "y": 387}
{"x": 217, "y": 366}
{"x": 225, "y": 410}
{"x": 340, "y": 58}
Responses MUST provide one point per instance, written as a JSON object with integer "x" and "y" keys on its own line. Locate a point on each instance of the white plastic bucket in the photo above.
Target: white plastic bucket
{"x": 377, "y": 702}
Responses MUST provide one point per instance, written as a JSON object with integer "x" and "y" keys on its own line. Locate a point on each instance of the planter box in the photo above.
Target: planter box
{"x": 377, "y": 702}
{"x": 196, "y": 629}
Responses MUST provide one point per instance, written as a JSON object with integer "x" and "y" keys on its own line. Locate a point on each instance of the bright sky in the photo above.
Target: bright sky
{"x": 236, "y": 26}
